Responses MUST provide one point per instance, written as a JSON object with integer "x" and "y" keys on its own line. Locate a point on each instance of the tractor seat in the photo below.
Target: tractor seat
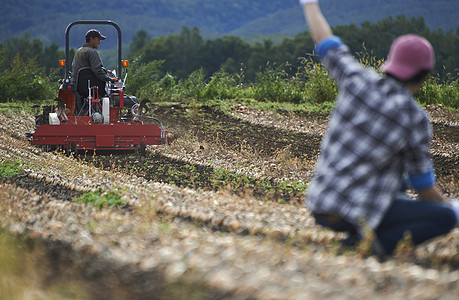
{"x": 85, "y": 74}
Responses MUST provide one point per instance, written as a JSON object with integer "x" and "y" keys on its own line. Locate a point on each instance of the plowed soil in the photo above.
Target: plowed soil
{"x": 215, "y": 214}
{"x": 209, "y": 125}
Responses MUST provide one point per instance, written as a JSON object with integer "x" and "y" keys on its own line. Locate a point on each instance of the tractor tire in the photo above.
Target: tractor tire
{"x": 71, "y": 150}
{"x": 141, "y": 150}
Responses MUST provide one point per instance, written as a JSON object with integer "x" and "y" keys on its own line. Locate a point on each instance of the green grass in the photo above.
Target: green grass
{"x": 102, "y": 199}
{"x": 10, "y": 169}
{"x": 32, "y": 107}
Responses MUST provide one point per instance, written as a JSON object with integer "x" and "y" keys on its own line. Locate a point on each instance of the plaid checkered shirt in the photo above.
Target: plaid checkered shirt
{"x": 376, "y": 134}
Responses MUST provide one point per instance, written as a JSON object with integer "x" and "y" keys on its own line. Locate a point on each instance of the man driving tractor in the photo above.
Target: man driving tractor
{"x": 87, "y": 57}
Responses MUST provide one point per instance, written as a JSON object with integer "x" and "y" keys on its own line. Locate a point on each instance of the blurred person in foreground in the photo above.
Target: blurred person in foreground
{"x": 377, "y": 139}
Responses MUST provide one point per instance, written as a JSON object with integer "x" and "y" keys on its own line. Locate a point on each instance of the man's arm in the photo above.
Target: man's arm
{"x": 318, "y": 26}
{"x": 97, "y": 66}
{"x": 426, "y": 186}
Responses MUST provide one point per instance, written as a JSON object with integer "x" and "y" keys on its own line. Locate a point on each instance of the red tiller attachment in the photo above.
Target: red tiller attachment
{"x": 79, "y": 133}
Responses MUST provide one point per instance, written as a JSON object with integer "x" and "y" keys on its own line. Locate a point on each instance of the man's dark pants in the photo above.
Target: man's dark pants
{"x": 422, "y": 219}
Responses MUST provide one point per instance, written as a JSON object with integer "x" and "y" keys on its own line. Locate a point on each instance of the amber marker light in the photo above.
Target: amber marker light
{"x": 125, "y": 63}
{"x": 61, "y": 62}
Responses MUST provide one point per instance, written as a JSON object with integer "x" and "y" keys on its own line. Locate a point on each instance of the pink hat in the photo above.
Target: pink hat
{"x": 409, "y": 54}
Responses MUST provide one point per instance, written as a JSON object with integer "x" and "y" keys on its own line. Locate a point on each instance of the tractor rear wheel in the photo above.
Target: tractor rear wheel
{"x": 145, "y": 107}
{"x": 141, "y": 150}
{"x": 71, "y": 150}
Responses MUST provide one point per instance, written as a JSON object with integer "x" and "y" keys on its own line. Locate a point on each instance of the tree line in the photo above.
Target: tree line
{"x": 185, "y": 52}
{"x": 28, "y": 62}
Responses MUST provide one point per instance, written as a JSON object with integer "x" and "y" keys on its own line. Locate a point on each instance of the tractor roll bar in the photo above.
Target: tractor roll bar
{"x": 91, "y": 22}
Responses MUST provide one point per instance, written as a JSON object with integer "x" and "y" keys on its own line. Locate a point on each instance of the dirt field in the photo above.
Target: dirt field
{"x": 215, "y": 214}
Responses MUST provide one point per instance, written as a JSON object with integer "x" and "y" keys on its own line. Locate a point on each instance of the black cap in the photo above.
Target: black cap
{"x": 95, "y": 33}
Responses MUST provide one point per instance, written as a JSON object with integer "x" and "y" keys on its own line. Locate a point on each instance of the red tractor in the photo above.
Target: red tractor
{"x": 103, "y": 122}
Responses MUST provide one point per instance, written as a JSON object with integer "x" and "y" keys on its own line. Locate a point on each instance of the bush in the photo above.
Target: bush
{"x": 434, "y": 91}
{"x": 166, "y": 87}
{"x": 192, "y": 87}
{"x": 222, "y": 85}
{"x": 24, "y": 80}
{"x": 275, "y": 85}
{"x": 142, "y": 78}
{"x": 318, "y": 86}
{"x": 162, "y": 90}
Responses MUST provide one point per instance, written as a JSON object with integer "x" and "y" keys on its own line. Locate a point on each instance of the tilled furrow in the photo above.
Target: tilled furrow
{"x": 288, "y": 140}
{"x": 45, "y": 186}
{"x": 209, "y": 123}
{"x": 184, "y": 172}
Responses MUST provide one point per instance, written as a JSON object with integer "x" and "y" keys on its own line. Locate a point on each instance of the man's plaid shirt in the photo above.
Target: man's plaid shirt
{"x": 375, "y": 135}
